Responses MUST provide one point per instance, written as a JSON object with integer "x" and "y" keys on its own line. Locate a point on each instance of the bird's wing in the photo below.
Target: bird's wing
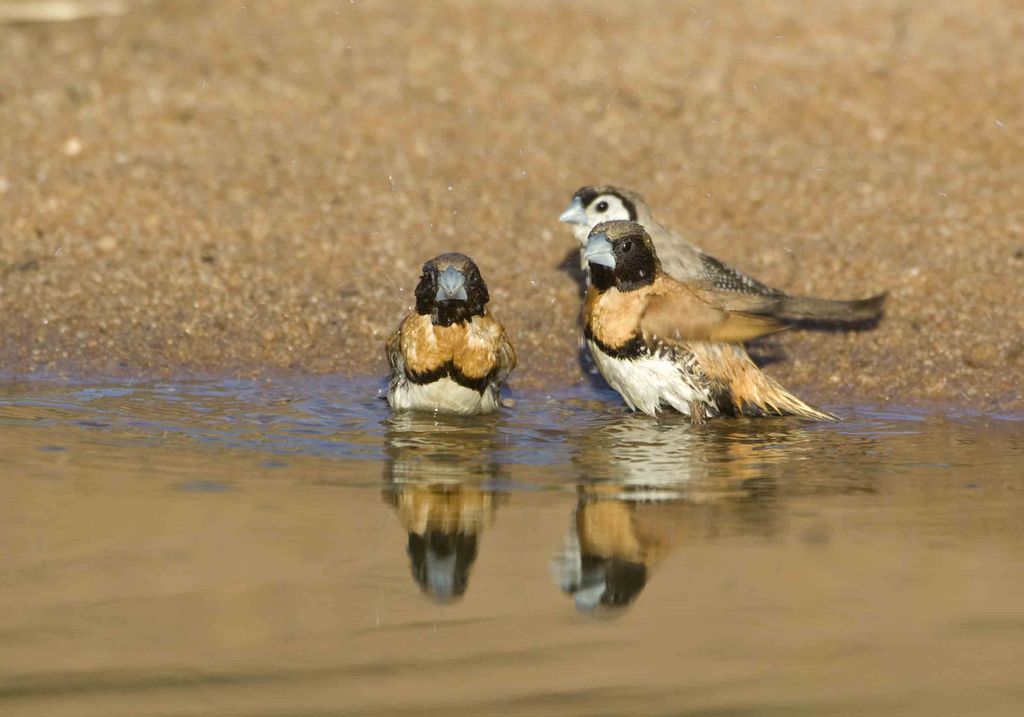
{"x": 731, "y": 301}
{"x": 677, "y": 313}
{"x": 393, "y": 348}
{"x": 719, "y": 275}
{"x": 687, "y": 263}
{"x": 506, "y": 357}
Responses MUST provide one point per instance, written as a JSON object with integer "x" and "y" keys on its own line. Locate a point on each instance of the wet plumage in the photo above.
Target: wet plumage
{"x": 662, "y": 343}
{"x": 449, "y": 355}
{"x": 686, "y": 262}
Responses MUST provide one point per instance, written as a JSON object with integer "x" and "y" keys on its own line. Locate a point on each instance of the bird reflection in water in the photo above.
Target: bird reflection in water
{"x": 439, "y": 477}
{"x": 646, "y": 487}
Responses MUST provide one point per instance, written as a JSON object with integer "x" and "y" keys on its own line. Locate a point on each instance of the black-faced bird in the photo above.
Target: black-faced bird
{"x": 449, "y": 355}
{"x": 443, "y": 522}
{"x": 662, "y": 343}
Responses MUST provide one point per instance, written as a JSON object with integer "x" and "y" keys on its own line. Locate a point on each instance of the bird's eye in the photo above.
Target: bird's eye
{"x": 627, "y": 246}
{"x": 602, "y": 206}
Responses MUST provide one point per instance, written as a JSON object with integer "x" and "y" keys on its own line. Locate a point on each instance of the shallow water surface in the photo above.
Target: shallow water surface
{"x": 288, "y": 548}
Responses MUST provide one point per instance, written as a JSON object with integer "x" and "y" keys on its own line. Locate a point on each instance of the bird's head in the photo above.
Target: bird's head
{"x": 592, "y": 205}
{"x": 451, "y": 290}
{"x": 621, "y": 254}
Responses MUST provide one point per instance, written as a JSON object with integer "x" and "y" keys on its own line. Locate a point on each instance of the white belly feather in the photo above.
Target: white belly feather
{"x": 647, "y": 383}
{"x": 442, "y": 396}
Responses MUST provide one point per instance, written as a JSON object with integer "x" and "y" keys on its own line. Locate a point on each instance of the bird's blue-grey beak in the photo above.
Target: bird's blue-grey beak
{"x": 575, "y": 213}
{"x": 592, "y": 588}
{"x": 441, "y": 576}
{"x": 599, "y": 250}
{"x": 451, "y": 285}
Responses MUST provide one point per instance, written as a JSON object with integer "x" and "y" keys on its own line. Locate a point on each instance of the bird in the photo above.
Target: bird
{"x": 449, "y": 355}
{"x": 443, "y": 521}
{"x": 660, "y": 342}
{"x": 592, "y": 205}
{"x": 440, "y": 479}
{"x": 609, "y": 552}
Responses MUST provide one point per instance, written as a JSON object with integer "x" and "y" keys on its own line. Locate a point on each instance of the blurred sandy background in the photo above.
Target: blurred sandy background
{"x": 209, "y": 187}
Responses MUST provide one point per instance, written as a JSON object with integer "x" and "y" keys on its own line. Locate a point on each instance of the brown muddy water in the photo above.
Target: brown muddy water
{"x": 288, "y": 548}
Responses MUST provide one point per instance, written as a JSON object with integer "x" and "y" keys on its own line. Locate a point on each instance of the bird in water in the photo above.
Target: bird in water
{"x": 449, "y": 355}
{"x": 662, "y": 343}
{"x": 682, "y": 260}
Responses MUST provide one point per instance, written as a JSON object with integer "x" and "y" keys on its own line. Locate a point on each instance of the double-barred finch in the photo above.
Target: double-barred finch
{"x": 592, "y": 205}
{"x": 662, "y": 343}
{"x": 449, "y": 355}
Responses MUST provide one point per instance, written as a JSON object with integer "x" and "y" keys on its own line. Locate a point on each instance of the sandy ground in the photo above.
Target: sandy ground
{"x": 219, "y": 187}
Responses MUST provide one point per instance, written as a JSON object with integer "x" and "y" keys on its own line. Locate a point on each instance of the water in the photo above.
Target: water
{"x": 288, "y": 548}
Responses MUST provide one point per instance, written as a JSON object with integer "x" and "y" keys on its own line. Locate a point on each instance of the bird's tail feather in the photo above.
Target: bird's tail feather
{"x": 809, "y": 308}
{"x": 773, "y": 399}
{"x": 751, "y": 391}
